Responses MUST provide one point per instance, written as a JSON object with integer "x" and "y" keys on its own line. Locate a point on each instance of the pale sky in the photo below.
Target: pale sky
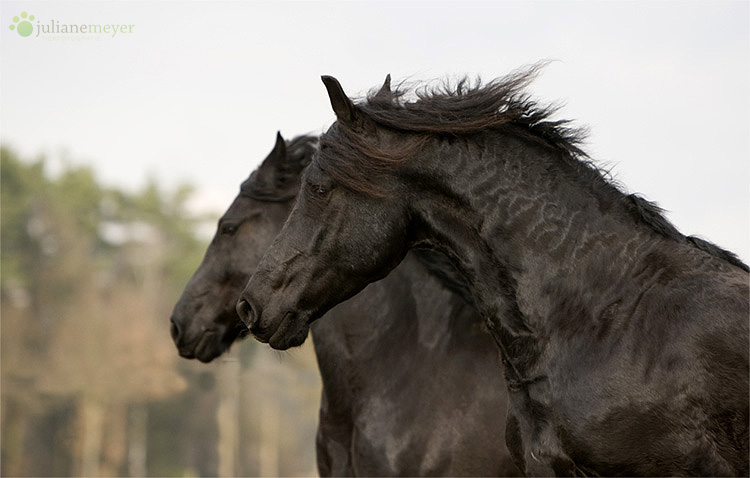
{"x": 197, "y": 90}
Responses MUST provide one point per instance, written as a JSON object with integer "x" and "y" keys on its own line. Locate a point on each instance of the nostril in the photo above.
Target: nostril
{"x": 245, "y": 311}
{"x": 174, "y": 330}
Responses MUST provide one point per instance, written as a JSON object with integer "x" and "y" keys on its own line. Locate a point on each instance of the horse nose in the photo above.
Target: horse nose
{"x": 246, "y": 313}
{"x": 174, "y": 330}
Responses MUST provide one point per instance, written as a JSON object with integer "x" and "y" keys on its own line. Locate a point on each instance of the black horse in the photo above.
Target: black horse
{"x": 625, "y": 343}
{"x": 408, "y": 388}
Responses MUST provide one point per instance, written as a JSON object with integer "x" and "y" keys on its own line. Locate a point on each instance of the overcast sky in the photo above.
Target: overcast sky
{"x": 196, "y": 91}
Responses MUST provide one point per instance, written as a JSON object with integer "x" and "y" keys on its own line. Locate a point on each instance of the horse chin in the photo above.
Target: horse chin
{"x": 208, "y": 347}
{"x": 292, "y": 332}
{"x": 216, "y": 341}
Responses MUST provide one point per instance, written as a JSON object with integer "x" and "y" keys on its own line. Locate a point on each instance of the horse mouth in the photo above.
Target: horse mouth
{"x": 291, "y": 332}
{"x": 211, "y": 345}
{"x": 208, "y": 347}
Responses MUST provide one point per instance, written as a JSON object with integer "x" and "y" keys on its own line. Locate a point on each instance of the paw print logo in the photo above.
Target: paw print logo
{"x": 23, "y": 25}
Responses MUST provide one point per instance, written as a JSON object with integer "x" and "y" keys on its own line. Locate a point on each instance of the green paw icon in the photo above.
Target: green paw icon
{"x": 24, "y": 28}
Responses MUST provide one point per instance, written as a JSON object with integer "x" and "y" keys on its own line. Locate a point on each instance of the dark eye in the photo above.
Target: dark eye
{"x": 229, "y": 229}
{"x": 318, "y": 189}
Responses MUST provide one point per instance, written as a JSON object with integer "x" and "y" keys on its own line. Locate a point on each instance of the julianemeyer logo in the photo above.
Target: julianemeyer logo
{"x": 55, "y": 30}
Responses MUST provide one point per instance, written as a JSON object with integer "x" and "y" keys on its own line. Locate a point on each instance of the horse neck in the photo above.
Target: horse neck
{"x": 515, "y": 219}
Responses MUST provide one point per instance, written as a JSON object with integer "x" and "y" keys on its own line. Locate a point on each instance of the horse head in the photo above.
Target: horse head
{"x": 204, "y": 323}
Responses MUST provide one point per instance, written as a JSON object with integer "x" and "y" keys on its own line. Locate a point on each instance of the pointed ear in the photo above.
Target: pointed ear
{"x": 268, "y": 170}
{"x": 385, "y": 90}
{"x": 342, "y": 105}
{"x": 279, "y": 149}
{"x": 270, "y": 181}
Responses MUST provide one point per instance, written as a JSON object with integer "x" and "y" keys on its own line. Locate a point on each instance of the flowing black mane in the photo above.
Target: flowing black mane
{"x": 469, "y": 107}
{"x": 444, "y": 110}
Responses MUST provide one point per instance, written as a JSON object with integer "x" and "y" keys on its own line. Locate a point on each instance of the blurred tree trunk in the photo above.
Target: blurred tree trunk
{"x": 91, "y": 427}
{"x": 14, "y": 419}
{"x": 269, "y": 434}
{"x": 137, "y": 439}
{"x": 227, "y": 416}
{"x": 114, "y": 445}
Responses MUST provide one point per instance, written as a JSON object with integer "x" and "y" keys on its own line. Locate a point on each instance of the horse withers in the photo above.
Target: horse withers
{"x": 625, "y": 343}
{"x": 410, "y": 382}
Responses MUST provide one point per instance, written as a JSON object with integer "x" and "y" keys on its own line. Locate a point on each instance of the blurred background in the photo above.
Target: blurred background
{"x": 120, "y": 152}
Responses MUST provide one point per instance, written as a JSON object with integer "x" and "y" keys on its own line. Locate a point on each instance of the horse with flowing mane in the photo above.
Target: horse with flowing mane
{"x": 624, "y": 342}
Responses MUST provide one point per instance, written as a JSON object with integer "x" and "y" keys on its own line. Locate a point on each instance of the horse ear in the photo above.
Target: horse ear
{"x": 267, "y": 181}
{"x": 279, "y": 149}
{"x": 385, "y": 90}
{"x": 341, "y": 104}
{"x": 274, "y": 161}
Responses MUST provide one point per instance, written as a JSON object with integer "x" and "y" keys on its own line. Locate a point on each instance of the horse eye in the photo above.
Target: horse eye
{"x": 318, "y": 189}
{"x": 229, "y": 229}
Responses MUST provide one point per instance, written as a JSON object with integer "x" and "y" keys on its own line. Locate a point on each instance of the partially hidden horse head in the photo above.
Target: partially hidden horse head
{"x": 204, "y": 322}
